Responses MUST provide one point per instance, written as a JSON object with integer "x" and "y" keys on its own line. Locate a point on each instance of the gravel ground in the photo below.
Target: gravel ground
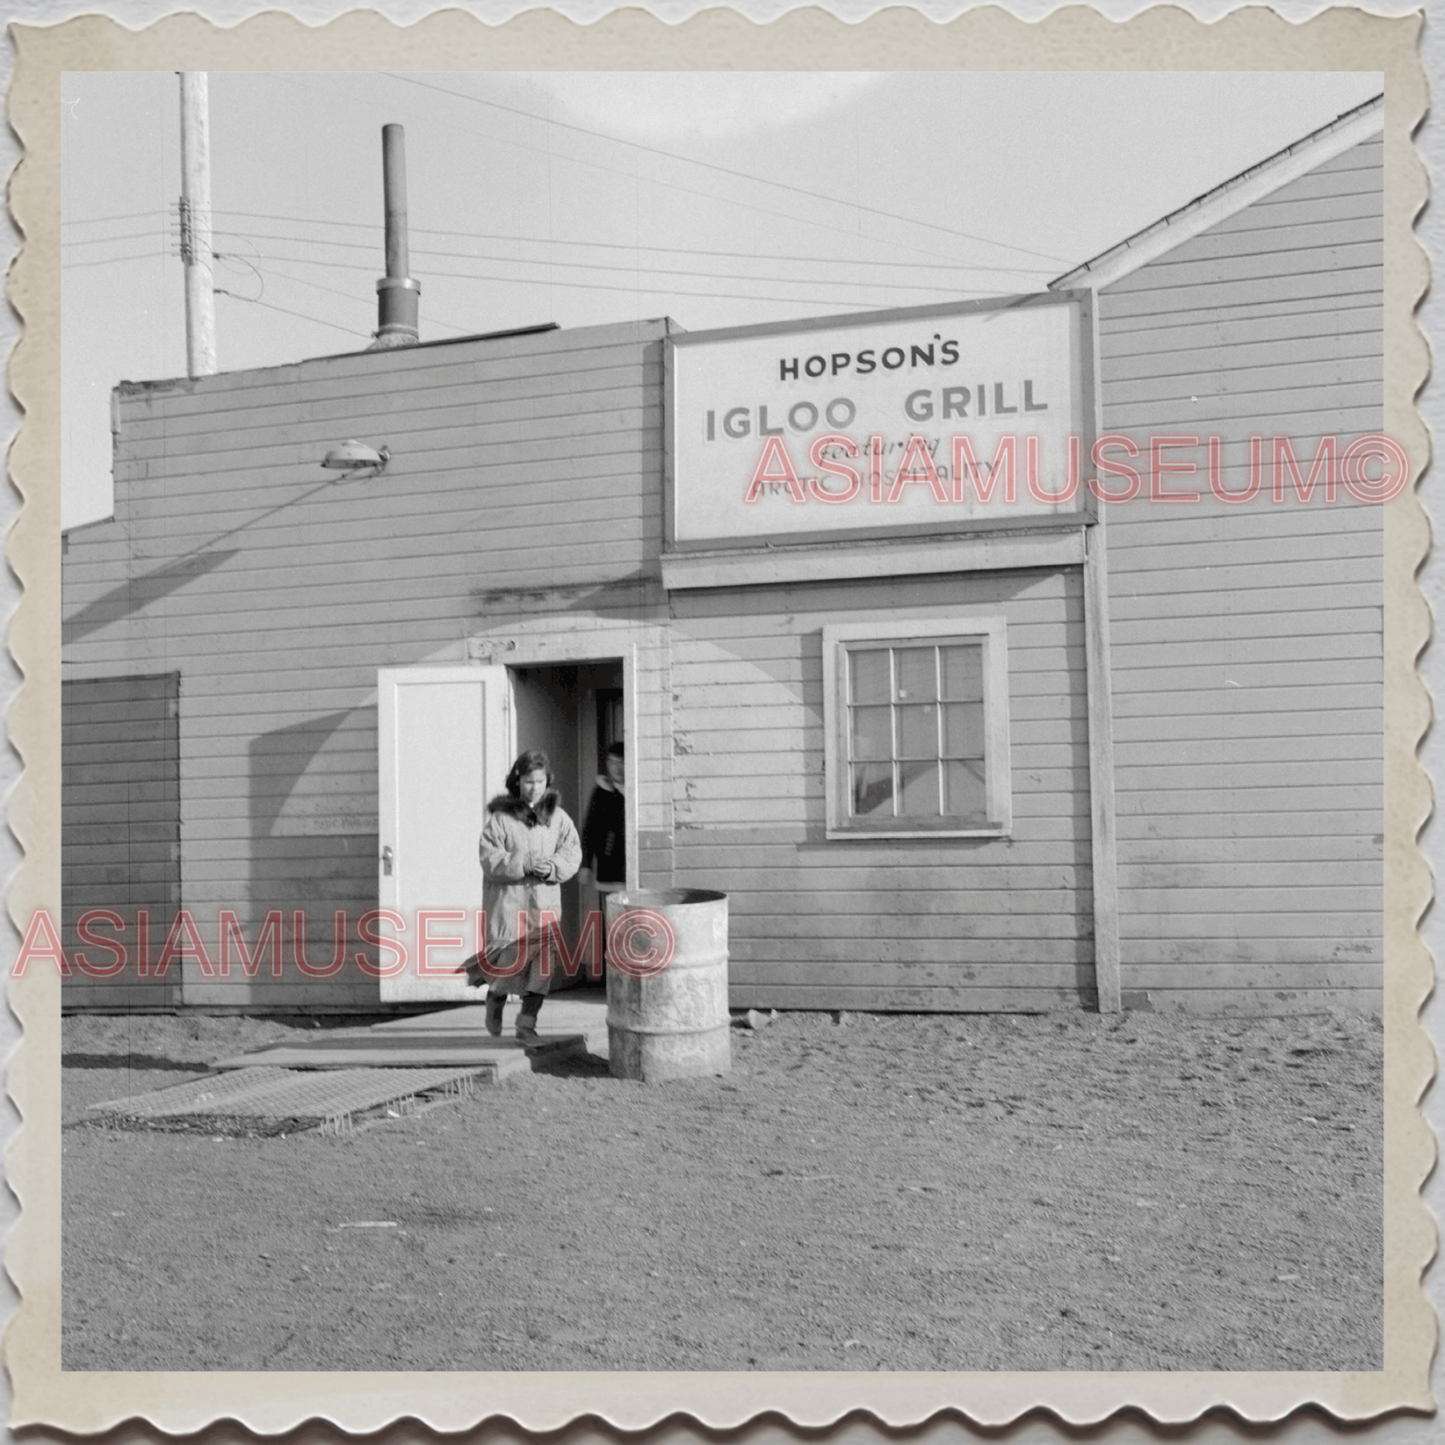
{"x": 904, "y": 1192}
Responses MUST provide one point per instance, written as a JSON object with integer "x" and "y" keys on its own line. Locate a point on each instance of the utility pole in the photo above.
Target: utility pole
{"x": 196, "y": 223}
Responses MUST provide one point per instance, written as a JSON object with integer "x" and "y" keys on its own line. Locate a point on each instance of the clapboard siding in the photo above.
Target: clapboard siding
{"x": 120, "y": 810}
{"x": 1233, "y": 608}
{"x": 1231, "y": 243}
{"x": 1188, "y": 525}
{"x": 276, "y": 590}
{"x": 1247, "y": 639}
{"x": 916, "y": 923}
{"x": 1293, "y": 316}
{"x": 1249, "y": 626}
{"x": 1188, "y": 353}
{"x": 1199, "y": 264}
{"x": 217, "y": 510}
{"x": 248, "y": 589}
{"x": 1262, "y": 706}
{"x": 1334, "y": 824}
{"x": 1239, "y": 650}
{"x": 413, "y": 529}
{"x": 1260, "y": 378}
{"x": 374, "y": 376}
{"x": 1179, "y": 749}
{"x": 1224, "y": 579}
{"x": 1288, "y": 411}
{"x": 571, "y": 462}
{"x": 1280, "y": 321}
{"x": 586, "y": 390}
{"x": 234, "y": 496}
{"x": 448, "y": 440}
{"x": 1200, "y": 297}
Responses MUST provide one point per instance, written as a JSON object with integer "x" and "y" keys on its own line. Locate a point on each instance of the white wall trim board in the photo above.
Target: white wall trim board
{"x": 992, "y": 633}
{"x": 1105, "y": 848}
{"x": 876, "y": 559}
{"x": 564, "y": 638}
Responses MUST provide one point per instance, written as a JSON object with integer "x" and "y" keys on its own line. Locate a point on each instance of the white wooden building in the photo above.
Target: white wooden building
{"x": 1151, "y": 771}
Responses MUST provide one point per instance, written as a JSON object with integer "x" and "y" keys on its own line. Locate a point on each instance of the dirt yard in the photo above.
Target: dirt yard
{"x": 1060, "y": 1192}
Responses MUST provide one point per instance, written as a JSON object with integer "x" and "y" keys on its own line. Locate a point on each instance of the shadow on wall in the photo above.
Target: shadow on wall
{"x": 621, "y": 598}
{"x": 139, "y": 592}
{"x": 160, "y": 582}
{"x": 315, "y": 866}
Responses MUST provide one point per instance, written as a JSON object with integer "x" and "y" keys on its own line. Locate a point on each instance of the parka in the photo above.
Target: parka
{"x": 518, "y": 840}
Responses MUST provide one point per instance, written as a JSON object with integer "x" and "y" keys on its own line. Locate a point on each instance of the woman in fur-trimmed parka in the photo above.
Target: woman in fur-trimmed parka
{"x": 529, "y": 848}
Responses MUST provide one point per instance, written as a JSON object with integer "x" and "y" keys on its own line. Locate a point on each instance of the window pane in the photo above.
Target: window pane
{"x": 918, "y": 731}
{"x": 872, "y": 733}
{"x": 868, "y": 673}
{"x": 917, "y": 679}
{"x": 920, "y": 789}
{"x": 964, "y": 793}
{"x": 962, "y": 667}
{"x": 963, "y": 730}
{"x": 872, "y": 790}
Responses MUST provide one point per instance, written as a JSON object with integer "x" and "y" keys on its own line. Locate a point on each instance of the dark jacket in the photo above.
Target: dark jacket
{"x": 604, "y": 834}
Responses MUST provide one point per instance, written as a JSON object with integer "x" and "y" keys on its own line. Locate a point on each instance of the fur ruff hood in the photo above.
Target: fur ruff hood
{"x": 522, "y": 812}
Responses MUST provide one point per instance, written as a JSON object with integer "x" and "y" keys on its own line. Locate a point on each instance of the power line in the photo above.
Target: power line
{"x": 712, "y": 195}
{"x": 424, "y": 252}
{"x": 637, "y": 289}
{"x": 615, "y": 267}
{"x": 107, "y": 240}
{"x": 540, "y": 240}
{"x": 104, "y": 220}
{"x": 117, "y": 260}
{"x": 553, "y": 241}
{"x": 626, "y": 246}
{"x": 718, "y": 295}
{"x": 722, "y": 170}
{"x": 661, "y": 271}
{"x": 272, "y": 306}
{"x": 352, "y": 296}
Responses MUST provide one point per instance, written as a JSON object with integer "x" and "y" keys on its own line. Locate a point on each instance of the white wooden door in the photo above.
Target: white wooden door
{"x": 445, "y": 737}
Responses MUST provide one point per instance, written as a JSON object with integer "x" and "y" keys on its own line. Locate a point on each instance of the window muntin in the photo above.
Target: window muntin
{"x": 918, "y": 730}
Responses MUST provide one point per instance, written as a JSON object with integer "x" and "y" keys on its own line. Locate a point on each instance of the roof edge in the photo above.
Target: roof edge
{"x": 1229, "y": 198}
{"x": 159, "y": 385}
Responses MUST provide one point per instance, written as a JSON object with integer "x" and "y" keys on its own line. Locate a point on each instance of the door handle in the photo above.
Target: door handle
{"x": 386, "y": 857}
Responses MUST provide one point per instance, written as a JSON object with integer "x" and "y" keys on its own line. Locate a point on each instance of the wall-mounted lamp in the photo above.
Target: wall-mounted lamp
{"x": 353, "y": 457}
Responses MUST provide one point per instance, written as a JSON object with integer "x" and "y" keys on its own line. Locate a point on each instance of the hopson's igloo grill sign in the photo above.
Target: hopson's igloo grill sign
{"x": 910, "y": 420}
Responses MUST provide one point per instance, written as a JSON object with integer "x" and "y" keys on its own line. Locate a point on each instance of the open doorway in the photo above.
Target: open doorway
{"x": 573, "y": 712}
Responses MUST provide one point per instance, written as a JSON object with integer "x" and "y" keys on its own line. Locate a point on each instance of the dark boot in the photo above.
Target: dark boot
{"x": 527, "y": 1019}
{"x": 496, "y": 1002}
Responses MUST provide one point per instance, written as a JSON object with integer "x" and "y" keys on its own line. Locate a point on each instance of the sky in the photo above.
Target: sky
{"x": 718, "y": 199}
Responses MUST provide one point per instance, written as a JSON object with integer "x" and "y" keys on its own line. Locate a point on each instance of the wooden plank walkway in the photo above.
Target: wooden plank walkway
{"x": 454, "y": 1037}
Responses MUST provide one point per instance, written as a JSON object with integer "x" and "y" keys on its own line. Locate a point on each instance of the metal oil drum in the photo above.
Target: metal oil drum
{"x": 669, "y": 1022}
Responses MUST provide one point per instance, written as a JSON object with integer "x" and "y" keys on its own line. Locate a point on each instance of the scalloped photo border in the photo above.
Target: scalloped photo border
{"x": 1076, "y": 38}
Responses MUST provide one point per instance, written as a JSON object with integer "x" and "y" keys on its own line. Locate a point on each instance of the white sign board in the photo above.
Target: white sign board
{"x": 915, "y": 421}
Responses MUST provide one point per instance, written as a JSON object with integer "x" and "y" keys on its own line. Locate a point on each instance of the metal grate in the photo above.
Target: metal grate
{"x": 270, "y": 1100}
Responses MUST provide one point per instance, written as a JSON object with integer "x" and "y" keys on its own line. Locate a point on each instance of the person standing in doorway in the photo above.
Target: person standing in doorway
{"x": 529, "y": 848}
{"x": 604, "y": 834}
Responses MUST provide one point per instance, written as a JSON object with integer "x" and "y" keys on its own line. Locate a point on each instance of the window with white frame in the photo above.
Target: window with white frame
{"x": 916, "y": 728}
